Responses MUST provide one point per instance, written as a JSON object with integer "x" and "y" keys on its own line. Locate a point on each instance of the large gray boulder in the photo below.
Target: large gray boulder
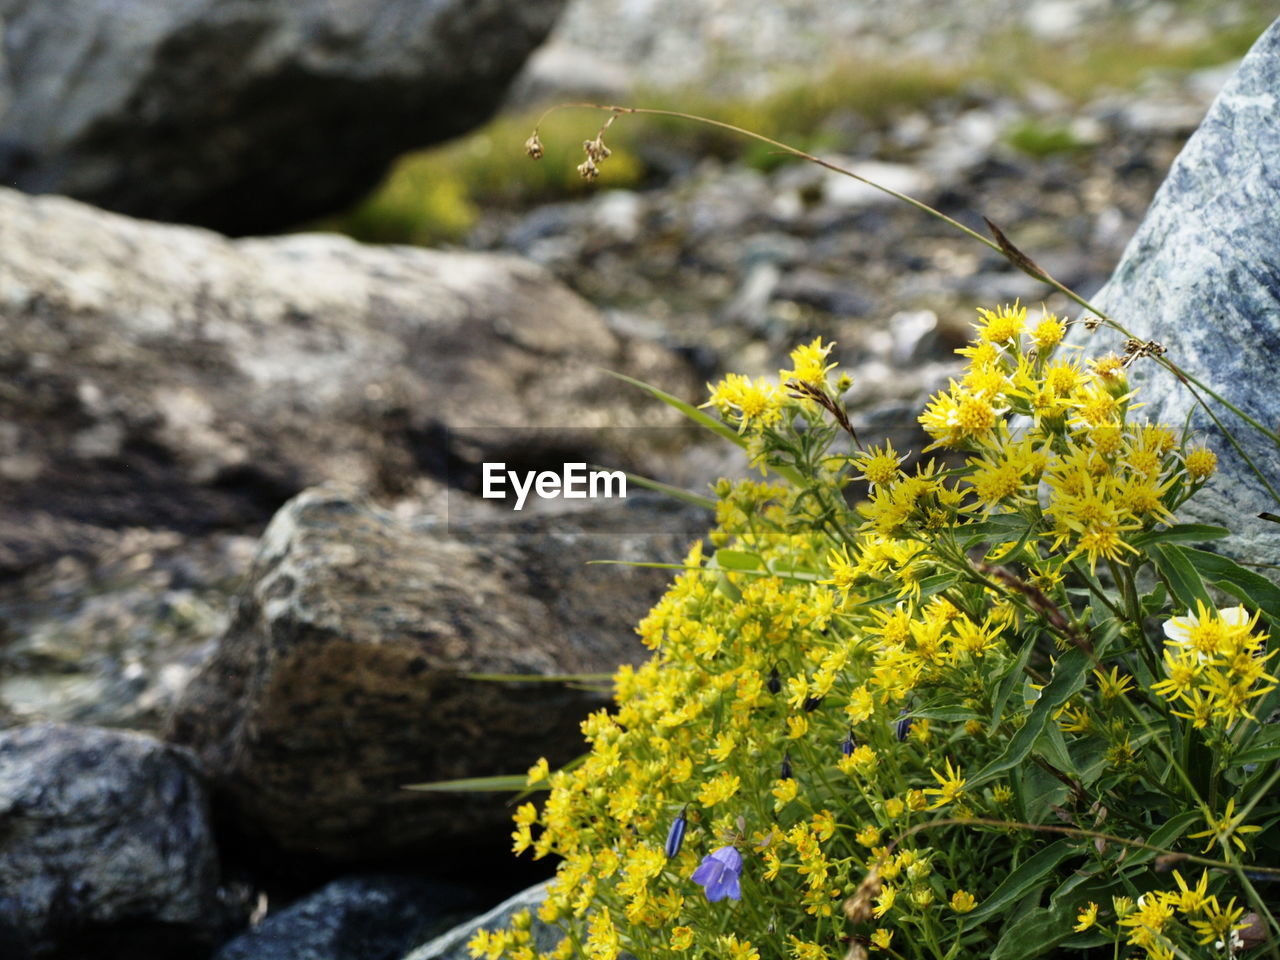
{"x": 106, "y": 849}
{"x": 339, "y": 680}
{"x": 247, "y": 117}
{"x": 1201, "y": 277}
{"x": 163, "y": 377}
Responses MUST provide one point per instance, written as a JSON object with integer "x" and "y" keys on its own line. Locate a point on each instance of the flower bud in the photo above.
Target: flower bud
{"x": 675, "y": 836}
{"x": 775, "y": 681}
{"x": 847, "y": 745}
{"x": 784, "y": 772}
{"x": 903, "y": 726}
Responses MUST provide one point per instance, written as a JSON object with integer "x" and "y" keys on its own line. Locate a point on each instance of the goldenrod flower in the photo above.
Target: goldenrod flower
{"x": 1086, "y": 918}
{"x": 950, "y": 786}
{"x": 1224, "y": 828}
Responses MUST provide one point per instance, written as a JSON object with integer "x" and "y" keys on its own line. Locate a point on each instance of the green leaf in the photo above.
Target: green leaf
{"x": 1164, "y": 836}
{"x": 1008, "y": 682}
{"x": 956, "y": 714}
{"x": 1187, "y": 586}
{"x": 1053, "y": 747}
{"x": 1181, "y": 533}
{"x": 676, "y": 493}
{"x": 728, "y": 588}
{"x": 1227, "y": 575}
{"x": 1264, "y": 749}
{"x": 1033, "y": 933}
{"x": 738, "y": 560}
{"x": 1068, "y": 678}
{"x": 503, "y": 784}
{"x": 1041, "y": 792}
{"x": 997, "y": 529}
{"x": 1021, "y": 881}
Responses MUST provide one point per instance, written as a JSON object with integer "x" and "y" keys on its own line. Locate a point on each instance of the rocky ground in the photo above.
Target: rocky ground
{"x": 730, "y": 265}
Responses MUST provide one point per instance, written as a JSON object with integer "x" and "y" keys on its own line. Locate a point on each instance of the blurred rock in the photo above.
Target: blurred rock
{"x": 339, "y": 679}
{"x": 112, "y": 640}
{"x": 376, "y": 917}
{"x": 106, "y": 849}
{"x": 245, "y": 117}
{"x": 1200, "y": 277}
{"x": 165, "y": 378}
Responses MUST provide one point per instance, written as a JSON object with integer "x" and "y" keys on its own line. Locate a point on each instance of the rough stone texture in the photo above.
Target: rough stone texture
{"x": 245, "y": 116}
{"x": 166, "y": 378}
{"x": 1201, "y": 276}
{"x": 355, "y": 918}
{"x": 453, "y": 944}
{"x": 105, "y": 846}
{"x": 337, "y": 682}
{"x": 111, "y": 640}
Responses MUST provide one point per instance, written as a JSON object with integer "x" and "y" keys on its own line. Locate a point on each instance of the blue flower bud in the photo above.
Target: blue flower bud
{"x": 811, "y": 704}
{"x": 785, "y": 772}
{"x": 904, "y": 725}
{"x": 847, "y": 745}
{"x": 775, "y": 681}
{"x": 675, "y": 836}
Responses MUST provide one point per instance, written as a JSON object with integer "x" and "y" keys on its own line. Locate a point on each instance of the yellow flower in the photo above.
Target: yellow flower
{"x": 1113, "y": 685}
{"x": 1192, "y": 899}
{"x": 784, "y": 791}
{"x": 1227, "y": 827}
{"x": 1201, "y": 463}
{"x": 1002, "y": 325}
{"x": 806, "y": 949}
{"x": 884, "y": 902}
{"x": 810, "y": 363}
{"x": 949, "y": 787}
{"x": 962, "y": 901}
{"x": 1086, "y": 918}
{"x": 1221, "y": 922}
{"x": 735, "y": 949}
{"x": 1048, "y": 332}
{"x": 719, "y": 789}
{"x": 681, "y": 938}
{"x": 882, "y": 938}
{"x": 879, "y": 465}
{"x": 868, "y": 836}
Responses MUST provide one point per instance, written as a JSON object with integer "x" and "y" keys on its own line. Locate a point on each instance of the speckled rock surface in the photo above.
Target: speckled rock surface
{"x": 245, "y": 117}
{"x": 337, "y": 681}
{"x": 375, "y": 917}
{"x": 1202, "y": 277}
{"x": 106, "y": 845}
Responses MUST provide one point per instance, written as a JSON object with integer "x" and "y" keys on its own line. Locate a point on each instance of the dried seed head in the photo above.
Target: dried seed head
{"x": 860, "y": 906}
{"x": 596, "y": 150}
{"x": 588, "y": 170}
{"x": 533, "y": 146}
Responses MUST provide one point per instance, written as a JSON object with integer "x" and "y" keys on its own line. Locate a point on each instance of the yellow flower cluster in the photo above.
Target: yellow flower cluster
{"x": 825, "y": 682}
{"x": 1214, "y": 665}
{"x": 1164, "y": 923}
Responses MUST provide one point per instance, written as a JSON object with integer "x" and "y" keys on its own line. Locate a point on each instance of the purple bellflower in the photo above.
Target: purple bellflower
{"x": 718, "y": 874}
